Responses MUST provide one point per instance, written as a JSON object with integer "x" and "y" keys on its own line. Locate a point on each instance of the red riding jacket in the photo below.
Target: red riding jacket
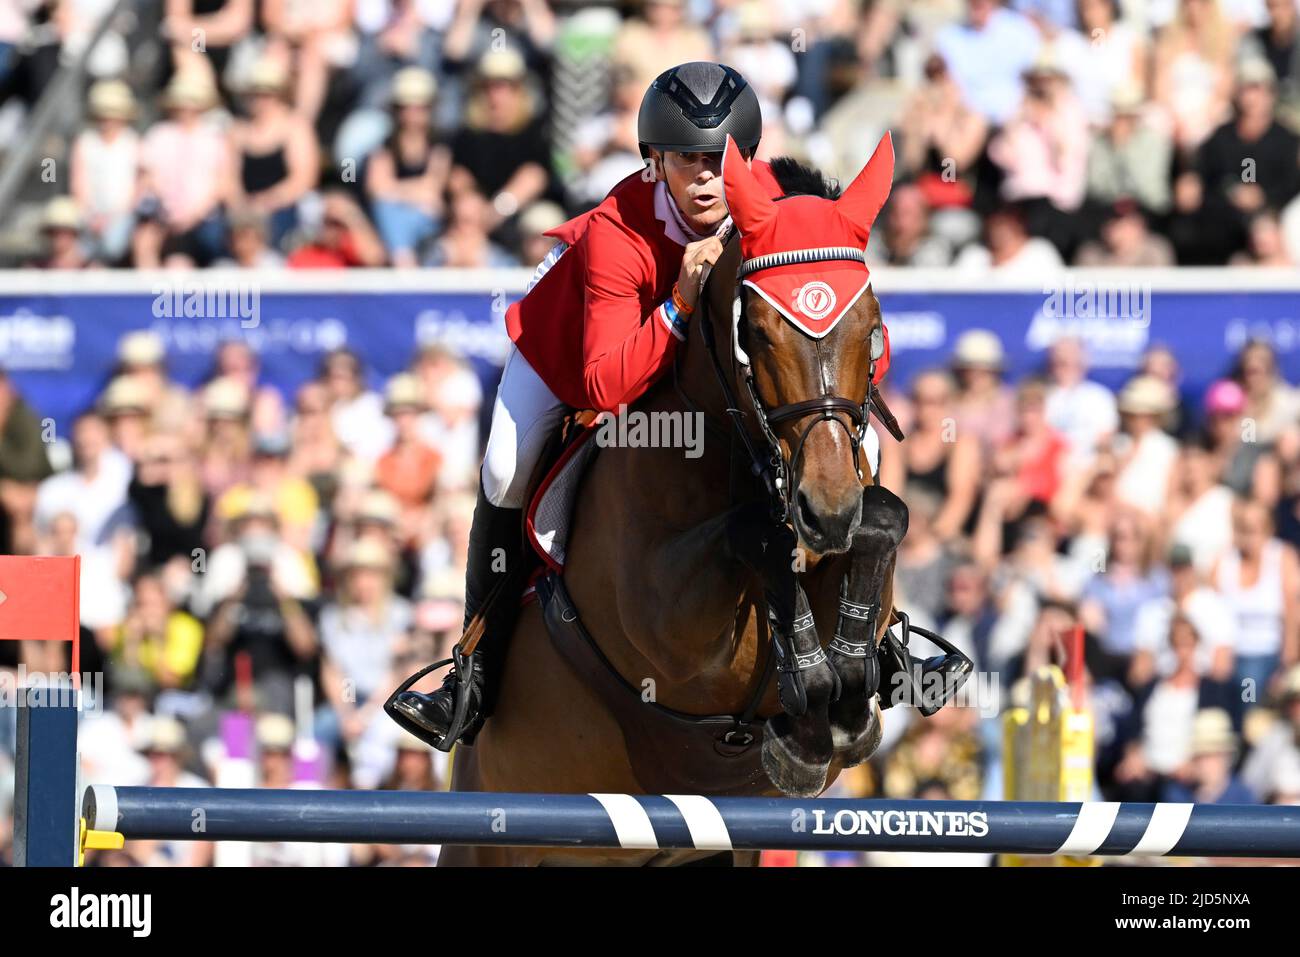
{"x": 591, "y": 326}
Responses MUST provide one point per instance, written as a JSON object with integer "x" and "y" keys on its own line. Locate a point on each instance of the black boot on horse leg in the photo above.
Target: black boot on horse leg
{"x": 493, "y": 583}
{"x": 854, "y": 649}
{"x": 930, "y": 683}
{"x": 797, "y": 745}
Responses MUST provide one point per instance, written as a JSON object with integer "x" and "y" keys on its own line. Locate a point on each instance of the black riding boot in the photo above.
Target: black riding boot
{"x": 928, "y": 683}
{"x": 454, "y": 712}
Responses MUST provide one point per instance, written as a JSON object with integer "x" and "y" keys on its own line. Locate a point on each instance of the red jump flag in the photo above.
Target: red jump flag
{"x": 40, "y": 601}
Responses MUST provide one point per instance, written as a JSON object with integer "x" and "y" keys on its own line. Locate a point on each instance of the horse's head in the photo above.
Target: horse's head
{"x": 807, "y": 332}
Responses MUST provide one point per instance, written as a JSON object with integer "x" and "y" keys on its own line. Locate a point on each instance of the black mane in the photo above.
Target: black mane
{"x": 796, "y": 179}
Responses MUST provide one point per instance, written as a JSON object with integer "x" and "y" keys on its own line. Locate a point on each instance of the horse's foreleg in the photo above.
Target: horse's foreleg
{"x": 797, "y": 744}
{"x": 866, "y": 599}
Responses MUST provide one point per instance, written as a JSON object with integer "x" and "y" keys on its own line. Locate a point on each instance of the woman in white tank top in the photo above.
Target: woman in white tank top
{"x": 1258, "y": 579}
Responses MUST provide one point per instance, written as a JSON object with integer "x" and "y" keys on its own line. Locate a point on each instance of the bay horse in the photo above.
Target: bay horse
{"x": 680, "y": 568}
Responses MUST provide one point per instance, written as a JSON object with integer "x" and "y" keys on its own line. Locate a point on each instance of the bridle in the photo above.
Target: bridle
{"x": 770, "y": 464}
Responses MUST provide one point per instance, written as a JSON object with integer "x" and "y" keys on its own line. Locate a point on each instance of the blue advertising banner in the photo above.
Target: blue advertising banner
{"x": 59, "y": 335}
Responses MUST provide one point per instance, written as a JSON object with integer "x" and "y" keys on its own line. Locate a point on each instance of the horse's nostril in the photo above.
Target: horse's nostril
{"x": 808, "y": 515}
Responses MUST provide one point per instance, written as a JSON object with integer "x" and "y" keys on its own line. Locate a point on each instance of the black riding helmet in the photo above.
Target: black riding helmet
{"x": 692, "y": 107}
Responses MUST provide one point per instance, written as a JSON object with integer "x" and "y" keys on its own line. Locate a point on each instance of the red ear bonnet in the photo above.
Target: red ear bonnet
{"x": 812, "y": 295}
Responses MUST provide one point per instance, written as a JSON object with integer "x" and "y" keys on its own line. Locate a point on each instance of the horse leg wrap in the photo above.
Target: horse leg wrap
{"x": 853, "y": 649}
{"x": 797, "y": 649}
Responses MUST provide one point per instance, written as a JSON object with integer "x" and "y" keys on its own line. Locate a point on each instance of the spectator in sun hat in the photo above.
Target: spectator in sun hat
{"x": 1043, "y": 152}
{"x": 1145, "y": 452}
{"x": 1209, "y": 777}
{"x": 274, "y": 734}
{"x": 164, "y": 744}
{"x": 294, "y": 499}
{"x": 1160, "y": 361}
{"x": 253, "y": 597}
{"x": 480, "y": 26}
{"x": 502, "y": 151}
{"x": 985, "y": 403}
{"x": 142, "y": 355}
{"x": 361, "y": 631}
{"x": 185, "y": 175}
{"x": 1129, "y": 156}
{"x": 1275, "y": 757}
{"x": 534, "y": 223}
{"x": 61, "y": 228}
{"x": 126, "y": 406}
{"x": 275, "y": 155}
{"x": 170, "y": 505}
{"x": 407, "y": 176}
{"x": 408, "y": 470}
{"x": 104, "y": 167}
{"x": 1246, "y": 467}
{"x": 227, "y": 444}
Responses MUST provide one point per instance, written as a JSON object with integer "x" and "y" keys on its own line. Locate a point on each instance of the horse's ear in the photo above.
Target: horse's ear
{"x": 752, "y": 210}
{"x": 861, "y": 202}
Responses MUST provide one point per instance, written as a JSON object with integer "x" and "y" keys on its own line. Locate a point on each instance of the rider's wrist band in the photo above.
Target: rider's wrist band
{"x": 673, "y": 318}
{"x": 680, "y": 302}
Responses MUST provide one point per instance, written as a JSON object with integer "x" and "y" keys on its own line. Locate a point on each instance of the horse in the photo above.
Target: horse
{"x": 694, "y": 589}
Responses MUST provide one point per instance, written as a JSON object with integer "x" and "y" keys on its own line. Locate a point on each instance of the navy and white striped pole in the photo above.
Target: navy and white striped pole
{"x": 691, "y": 821}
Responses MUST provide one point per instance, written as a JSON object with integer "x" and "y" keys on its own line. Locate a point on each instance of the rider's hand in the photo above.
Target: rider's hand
{"x": 694, "y": 260}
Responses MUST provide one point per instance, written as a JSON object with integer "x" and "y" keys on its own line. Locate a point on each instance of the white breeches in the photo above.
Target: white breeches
{"x": 524, "y": 415}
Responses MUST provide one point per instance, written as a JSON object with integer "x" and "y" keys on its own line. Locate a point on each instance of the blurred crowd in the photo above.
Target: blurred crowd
{"x": 1163, "y": 523}
{"x": 456, "y": 132}
{"x": 242, "y": 553}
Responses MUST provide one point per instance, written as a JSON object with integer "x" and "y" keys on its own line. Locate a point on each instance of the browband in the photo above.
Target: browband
{"x": 795, "y": 257}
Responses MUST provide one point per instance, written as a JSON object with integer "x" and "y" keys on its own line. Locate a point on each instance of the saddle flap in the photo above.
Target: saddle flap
{"x": 550, "y": 513}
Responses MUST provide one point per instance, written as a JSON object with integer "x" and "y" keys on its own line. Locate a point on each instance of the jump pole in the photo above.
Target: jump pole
{"x": 693, "y": 822}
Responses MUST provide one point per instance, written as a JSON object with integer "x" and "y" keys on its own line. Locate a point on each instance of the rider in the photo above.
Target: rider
{"x": 599, "y": 324}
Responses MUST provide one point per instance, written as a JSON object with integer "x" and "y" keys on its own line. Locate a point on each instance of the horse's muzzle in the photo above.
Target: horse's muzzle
{"x": 823, "y": 530}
